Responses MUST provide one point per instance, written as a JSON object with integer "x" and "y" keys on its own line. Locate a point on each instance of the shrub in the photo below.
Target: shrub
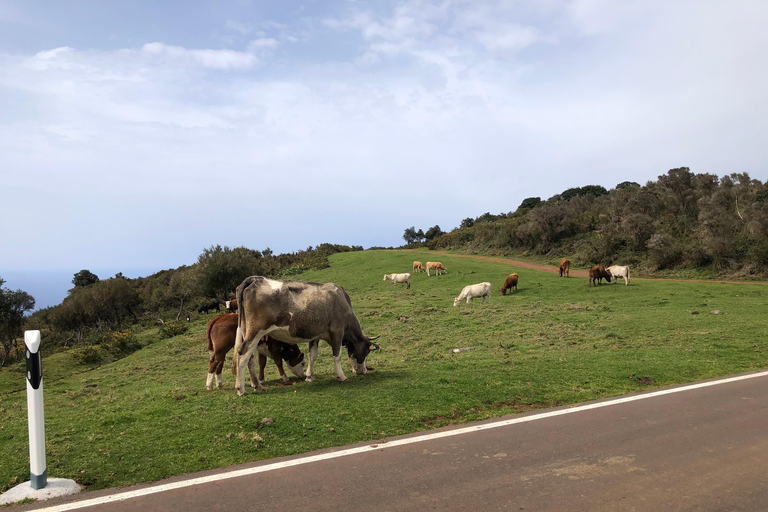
{"x": 124, "y": 342}
{"x": 171, "y": 329}
{"x": 87, "y": 355}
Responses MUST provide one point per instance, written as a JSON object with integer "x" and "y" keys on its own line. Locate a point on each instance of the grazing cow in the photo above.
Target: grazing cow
{"x": 436, "y": 266}
{"x": 399, "y": 278}
{"x": 597, "y": 273}
{"x": 618, "y": 271}
{"x": 565, "y": 267}
{"x": 511, "y": 282}
{"x": 209, "y": 306}
{"x": 298, "y": 312}
{"x": 231, "y": 305}
{"x": 221, "y": 333}
{"x": 472, "y": 291}
{"x": 417, "y": 267}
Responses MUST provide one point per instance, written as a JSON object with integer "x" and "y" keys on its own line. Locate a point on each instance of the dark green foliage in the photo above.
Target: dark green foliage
{"x": 13, "y": 305}
{"x": 85, "y": 278}
{"x": 626, "y": 184}
{"x": 528, "y": 204}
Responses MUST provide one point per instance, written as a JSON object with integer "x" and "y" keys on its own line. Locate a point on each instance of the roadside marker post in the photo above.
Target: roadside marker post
{"x": 40, "y": 487}
{"x": 37, "y": 468}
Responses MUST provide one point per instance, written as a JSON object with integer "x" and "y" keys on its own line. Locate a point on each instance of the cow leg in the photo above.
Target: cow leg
{"x": 255, "y": 383}
{"x": 244, "y": 351}
{"x": 277, "y": 357}
{"x": 336, "y": 350}
{"x": 211, "y": 372}
{"x": 215, "y": 366}
{"x": 262, "y": 365}
{"x": 313, "y": 348}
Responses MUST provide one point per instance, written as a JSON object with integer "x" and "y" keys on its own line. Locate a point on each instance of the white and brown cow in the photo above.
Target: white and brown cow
{"x": 399, "y": 278}
{"x": 299, "y": 312}
{"x": 472, "y": 291}
{"x": 436, "y": 266}
{"x": 618, "y": 271}
{"x": 221, "y": 333}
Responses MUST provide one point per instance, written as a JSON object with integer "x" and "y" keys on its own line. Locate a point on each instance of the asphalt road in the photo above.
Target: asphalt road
{"x": 698, "y": 449}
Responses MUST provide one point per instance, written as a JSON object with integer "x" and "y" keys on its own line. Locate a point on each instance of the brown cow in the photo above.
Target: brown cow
{"x": 222, "y": 330}
{"x": 231, "y": 305}
{"x": 436, "y": 266}
{"x": 565, "y": 267}
{"x": 511, "y": 282}
{"x": 597, "y": 273}
{"x": 417, "y": 267}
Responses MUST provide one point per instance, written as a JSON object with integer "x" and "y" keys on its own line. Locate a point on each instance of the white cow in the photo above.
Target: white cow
{"x": 399, "y": 278}
{"x": 472, "y": 291}
{"x": 618, "y": 271}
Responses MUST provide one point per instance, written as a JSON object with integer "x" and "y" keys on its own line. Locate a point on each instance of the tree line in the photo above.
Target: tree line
{"x": 682, "y": 220}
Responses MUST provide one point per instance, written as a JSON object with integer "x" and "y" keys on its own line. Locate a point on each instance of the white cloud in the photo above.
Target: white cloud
{"x": 214, "y": 59}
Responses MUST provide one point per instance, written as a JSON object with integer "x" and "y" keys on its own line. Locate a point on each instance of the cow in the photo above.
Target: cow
{"x": 565, "y": 267}
{"x": 399, "y": 278}
{"x": 436, "y": 266}
{"x": 221, "y": 333}
{"x": 472, "y": 291}
{"x": 209, "y": 306}
{"x": 417, "y": 267}
{"x": 618, "y": 271}
{"x": 299, "y": 312}
{"x": 597, "y": 273}
{"x": 231, "y": 305}
{"x": 509, "y": 283}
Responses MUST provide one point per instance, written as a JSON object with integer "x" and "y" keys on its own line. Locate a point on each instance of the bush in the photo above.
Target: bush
{"x": 87, "y": 355}
{"x": 172, "y": 329}
{"x": 124, "y": 342}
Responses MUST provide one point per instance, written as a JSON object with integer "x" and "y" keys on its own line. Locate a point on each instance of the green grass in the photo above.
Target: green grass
{"x": 555, "y": 341}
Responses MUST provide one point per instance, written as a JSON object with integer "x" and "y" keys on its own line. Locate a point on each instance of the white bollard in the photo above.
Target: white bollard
{"x": 37, "y": 468}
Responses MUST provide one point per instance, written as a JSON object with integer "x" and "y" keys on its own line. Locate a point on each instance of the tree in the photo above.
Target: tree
{"x": 13, "y": 305}
{"x": 467, "y": 223}
{"x": 627, "y": 184}
{"x": 433, "y": 232}
{"x": 411, "y": 236}
{"x": 222, "y": 269}
{"x": 85, "y": 278}
{"x": 529, "y": 203}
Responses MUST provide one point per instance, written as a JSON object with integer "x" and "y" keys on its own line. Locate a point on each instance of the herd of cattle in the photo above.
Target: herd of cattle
{"x": 272, "y": 317}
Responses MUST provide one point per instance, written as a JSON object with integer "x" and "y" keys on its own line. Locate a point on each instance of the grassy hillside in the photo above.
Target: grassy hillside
{"x": 555, "y": 341}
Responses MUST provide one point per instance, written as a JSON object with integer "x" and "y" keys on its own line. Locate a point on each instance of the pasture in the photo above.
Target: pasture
{"x": 554, "y": 341}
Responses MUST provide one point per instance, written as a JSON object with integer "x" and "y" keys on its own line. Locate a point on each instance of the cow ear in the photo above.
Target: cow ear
{"x": 373, "y": 347}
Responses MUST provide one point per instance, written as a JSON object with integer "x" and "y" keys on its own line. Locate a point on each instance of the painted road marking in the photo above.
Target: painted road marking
{"x": 385, "y": 445}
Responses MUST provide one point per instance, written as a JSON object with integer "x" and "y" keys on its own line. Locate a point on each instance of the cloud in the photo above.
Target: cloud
{"x": 214, "y": 59}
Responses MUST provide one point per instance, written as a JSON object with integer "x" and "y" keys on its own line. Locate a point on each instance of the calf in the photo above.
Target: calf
{"x": 597, "y": 273}
{"x": 399, "y": 278}
{"x": 231, "y": 305}
{"x": 436, "y": 266}
{"x": 511, "y": 282}
{"x": 417, "y": 267}
{"x": 618, "y": 271}
{"x": 565, "y": 267}
{"x": 222, "y": 331}
{"x": 472, "y": 291}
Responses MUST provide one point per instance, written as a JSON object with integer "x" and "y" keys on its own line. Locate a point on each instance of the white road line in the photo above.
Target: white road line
{"x": 384, "y": 445}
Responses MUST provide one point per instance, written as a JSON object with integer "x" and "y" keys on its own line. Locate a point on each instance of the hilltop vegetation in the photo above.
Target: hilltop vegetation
{"x": 681, "y": 222}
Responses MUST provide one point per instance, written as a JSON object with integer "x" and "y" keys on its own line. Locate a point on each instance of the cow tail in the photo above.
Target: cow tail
{"x": 235, "y": 357}
{"x": 208, "y": 333}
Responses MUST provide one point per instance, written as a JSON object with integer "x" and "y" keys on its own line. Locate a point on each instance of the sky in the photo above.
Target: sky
{"x": 135, "y": 134}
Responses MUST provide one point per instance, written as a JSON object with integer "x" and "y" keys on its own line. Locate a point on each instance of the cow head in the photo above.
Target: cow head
{"x": 293, "y": 357}
{"x": 358, "y": 353}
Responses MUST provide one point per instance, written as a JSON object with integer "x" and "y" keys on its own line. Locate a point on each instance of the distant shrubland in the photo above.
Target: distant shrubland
{"x": 682, "y": 222}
